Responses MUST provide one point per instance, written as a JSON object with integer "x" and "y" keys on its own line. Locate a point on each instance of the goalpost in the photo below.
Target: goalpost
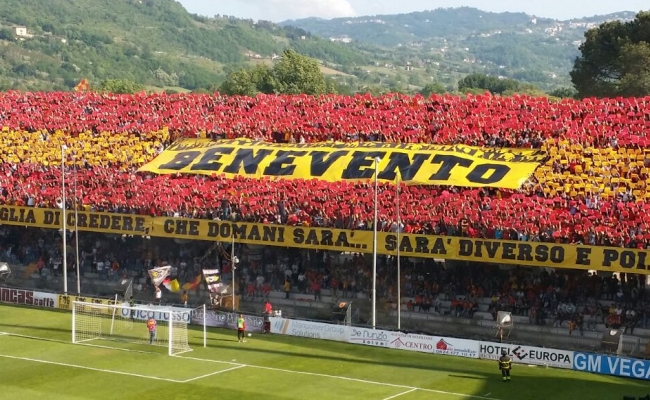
{"x": 91, "y": 321}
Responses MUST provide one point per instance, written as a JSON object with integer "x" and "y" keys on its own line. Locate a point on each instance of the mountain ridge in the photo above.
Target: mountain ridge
{"x": 467, "y": 40}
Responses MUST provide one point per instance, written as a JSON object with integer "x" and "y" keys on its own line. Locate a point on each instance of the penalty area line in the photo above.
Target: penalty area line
{"x": 108, "y": 371}
{"x": 400, "y": 394}
{"x": 213, "y": 373}
{"x": 345, "y": 378}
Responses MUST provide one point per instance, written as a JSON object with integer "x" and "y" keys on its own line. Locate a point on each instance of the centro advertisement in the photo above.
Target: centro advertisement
{"x": 227, "y": 320}
{"x": 28, "y": 297}
{"x": 528, "y": 354}
{"x": 314, "y": 330}
{"x": 612, "y": 365}
{"x": 410, "y": 341}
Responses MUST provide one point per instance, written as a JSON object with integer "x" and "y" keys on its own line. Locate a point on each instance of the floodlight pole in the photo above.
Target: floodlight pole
{"x": 233, "y": 263}
{"x": 374, "y": 249}
{"x": 63, "y": 222}
{"x": 76, "y": 225}
{"x": 399, "y": 272}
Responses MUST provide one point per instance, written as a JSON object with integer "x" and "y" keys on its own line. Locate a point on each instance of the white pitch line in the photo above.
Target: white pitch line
{"x": 213, "y": 373}
{"x": 109, "y": 371}
{"x": 80, "y": 344}
{"x": 345, "y": 378}
{"x": 467, "y": 396}
{"x": 400, "y": 394}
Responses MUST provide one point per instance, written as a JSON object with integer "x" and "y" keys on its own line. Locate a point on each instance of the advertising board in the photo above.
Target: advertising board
{"x": 456, "y": 347}
{"x": 28, "y": 297}
{"x": 411, "y": 342}
{"x": 227, "y": 320}
{"x": 369, "y": 337}
{"x": 314, "y": 330}
{"x": 65, "y": 301}
{"x": 612, "y": 365}
{"x": 527, "y": 354}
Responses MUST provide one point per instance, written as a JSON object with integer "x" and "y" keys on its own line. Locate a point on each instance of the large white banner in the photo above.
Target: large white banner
{"x": 369, "y": 337}
{"x": 28, "y": 297}
{"x": 456, "y": 347}
{"x": 410, "y": 341}
{"x": 528, "y": 354}
{"x": 315, "y": 330}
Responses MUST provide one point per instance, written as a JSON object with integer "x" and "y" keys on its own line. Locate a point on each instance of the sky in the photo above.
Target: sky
{"x": 281, "y": 10}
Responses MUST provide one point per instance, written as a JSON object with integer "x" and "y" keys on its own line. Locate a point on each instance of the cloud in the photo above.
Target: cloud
{"x": 312, "y": 8}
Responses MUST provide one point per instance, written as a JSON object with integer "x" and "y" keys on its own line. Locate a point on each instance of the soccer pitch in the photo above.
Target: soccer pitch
{"x": 37, "y": 361}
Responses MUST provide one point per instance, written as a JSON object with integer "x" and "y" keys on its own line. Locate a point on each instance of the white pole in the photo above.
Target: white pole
{"x": 76, "y": 226}
{"x": 74, "y": 320}
{"x": 114, "y": 310}
{"x": 205, "y": 333}
{"x": 374, "y": 250}
{"x": 170, "y": 338}
{"x": 63, "y": 222}
{"x": 399, "y": 269}
{"x": 232, "y": 264}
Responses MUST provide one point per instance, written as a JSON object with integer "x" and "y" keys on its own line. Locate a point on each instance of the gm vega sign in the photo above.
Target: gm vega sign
{"x": 612, "y": 365}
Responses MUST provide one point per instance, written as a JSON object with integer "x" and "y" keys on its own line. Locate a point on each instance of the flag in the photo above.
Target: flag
{"x": 159, "y": 274}
{"x": 128, "y": 293}
{"x": 213, "y": 279}
{"x": 194, "y": 284}
{"x": 172, "y": 285}
{"x": 82, "y": 86}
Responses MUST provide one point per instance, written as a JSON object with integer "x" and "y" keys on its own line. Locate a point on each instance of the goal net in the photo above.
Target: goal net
{"x": 147, "y": 325}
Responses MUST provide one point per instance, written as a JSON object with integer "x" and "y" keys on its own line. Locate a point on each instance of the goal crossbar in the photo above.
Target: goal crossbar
{"x": 147, "y": 325}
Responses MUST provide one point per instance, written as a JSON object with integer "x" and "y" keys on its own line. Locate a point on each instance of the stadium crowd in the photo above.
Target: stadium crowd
{"x": 571, "y": 299}
{"x": 592, "y": 189}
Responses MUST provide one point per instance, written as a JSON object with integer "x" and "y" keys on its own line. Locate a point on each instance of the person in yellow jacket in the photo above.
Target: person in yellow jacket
{"x": 505, "y": 365}
{"x": 241, "y": 328}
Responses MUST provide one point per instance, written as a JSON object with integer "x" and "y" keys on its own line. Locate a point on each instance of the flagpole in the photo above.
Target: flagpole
{"x": 374, "y": 249}
{"x": 399, "y": 269}
{"x": 76, "y": 226}
{"x": 232, "y": 264}
{"x": 63, "y": 222}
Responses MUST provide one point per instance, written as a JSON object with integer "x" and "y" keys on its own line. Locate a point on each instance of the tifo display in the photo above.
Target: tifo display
{"x": 590, "y": 191}
{"x": 413, "y": 164}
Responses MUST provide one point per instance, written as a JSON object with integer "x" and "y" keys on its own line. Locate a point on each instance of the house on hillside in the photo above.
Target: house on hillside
{"x": 21, "y": 31}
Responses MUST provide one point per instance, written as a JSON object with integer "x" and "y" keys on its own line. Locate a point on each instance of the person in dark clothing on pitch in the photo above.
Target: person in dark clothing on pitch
{"x": 505, "y": 365}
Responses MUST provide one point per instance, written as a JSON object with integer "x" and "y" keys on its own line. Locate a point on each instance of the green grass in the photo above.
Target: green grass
{"x": 38, "y": 362}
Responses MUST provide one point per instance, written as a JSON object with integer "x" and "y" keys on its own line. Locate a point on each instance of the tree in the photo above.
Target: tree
{"x": 7, "y": 34}
{"x": 490, "y": 83}
{"x": 239, "y": 83}
{"x": 615, "y": 59}
{"x": 120, "y": 86}
{"x": 294, "y": 74}
{"x": 298, "y": 74}
{"x": 564, "y": 93}
{"x": 432, "y": 88}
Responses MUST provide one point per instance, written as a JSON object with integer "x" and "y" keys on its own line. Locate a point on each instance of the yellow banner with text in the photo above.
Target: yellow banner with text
{"x": 413, "y": 164}
{"x": 552, "y": 255}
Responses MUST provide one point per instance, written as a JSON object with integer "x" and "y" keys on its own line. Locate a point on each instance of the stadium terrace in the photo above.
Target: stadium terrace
{"x": 591, "y": 188}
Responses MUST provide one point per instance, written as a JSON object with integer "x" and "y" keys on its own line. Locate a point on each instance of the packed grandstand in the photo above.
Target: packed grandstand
{"x": 591, "y": 189}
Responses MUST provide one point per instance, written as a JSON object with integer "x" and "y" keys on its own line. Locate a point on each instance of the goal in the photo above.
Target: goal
{"x": 92, "y": 321}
